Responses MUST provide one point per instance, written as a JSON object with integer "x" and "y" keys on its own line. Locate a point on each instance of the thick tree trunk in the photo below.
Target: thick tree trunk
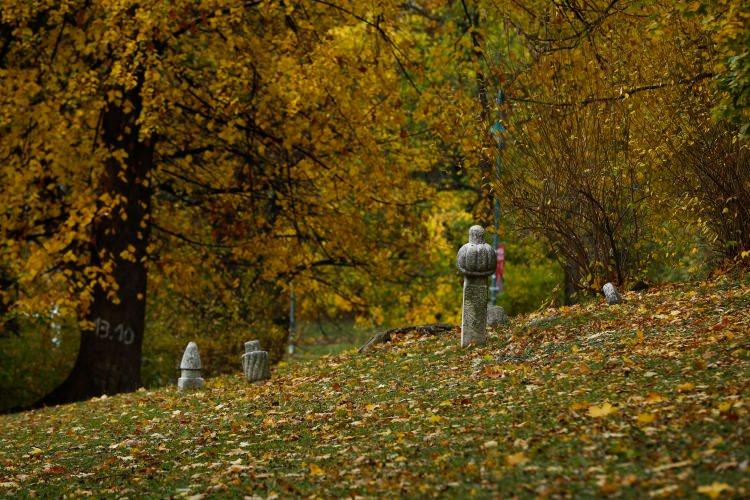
{"x": 109, "y": 358}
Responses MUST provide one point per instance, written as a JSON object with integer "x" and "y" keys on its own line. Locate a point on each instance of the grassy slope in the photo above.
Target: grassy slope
{"x": 647, "y": 397}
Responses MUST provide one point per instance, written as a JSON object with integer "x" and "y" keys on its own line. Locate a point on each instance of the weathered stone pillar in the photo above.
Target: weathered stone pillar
{"x": 190, "y": 368}
{"x": 476, "y": 260}
{"x": 255, "y": 362}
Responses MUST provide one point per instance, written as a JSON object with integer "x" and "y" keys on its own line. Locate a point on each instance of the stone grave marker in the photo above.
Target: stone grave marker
{"x": 476, "y": 261}
{"x": 190, "y": 369}
{"x": 612, "y": 295}
{"x": 255, "y": 362}
{"x": 496, "y": 316}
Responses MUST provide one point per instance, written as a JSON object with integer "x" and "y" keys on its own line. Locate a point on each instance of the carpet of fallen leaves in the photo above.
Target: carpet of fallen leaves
{"x": 647, "y": 398}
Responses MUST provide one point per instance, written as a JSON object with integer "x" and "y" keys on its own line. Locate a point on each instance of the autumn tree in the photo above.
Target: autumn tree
{"x": 588, "y": 115}
{"x": 213, "y": 150}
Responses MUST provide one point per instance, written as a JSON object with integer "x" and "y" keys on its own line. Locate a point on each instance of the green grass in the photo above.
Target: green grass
{"x": 646, "y": 398}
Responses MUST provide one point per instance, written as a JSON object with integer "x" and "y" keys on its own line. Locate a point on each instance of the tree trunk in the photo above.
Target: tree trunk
{"x": 8, "y": 325}
{"x": 571, "y": 280}
{"x": 109, "y": 357}
{"x": 487, "y": 213}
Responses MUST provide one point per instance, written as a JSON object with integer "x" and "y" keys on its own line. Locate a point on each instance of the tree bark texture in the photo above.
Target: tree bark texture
{"x": 109, "y": 357}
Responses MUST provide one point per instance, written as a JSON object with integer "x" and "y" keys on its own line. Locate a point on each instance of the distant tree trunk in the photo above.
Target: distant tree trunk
{"x": 8, "y": 325}
{"x": 109, "y": 357}
{"x": 571, "y": 280}
{"x": 486, "y": 213}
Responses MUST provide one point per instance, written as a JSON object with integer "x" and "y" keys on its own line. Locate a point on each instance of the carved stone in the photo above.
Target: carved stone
{"x": 252, "y": 345}
{"x": 255, "y": 362}
{"x": 612, "y": 295}
{"x": 496, "y": 316}
{"x": 190, "y": 369}
{"x": 476, "y": 260}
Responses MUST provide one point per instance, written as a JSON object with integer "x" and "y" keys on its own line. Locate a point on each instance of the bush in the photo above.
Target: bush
{"x": 35, "y": 361}
{"x": 574, "y": 181}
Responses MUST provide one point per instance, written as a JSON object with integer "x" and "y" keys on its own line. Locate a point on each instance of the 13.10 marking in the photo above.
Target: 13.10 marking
{"x": 120, "y": 333}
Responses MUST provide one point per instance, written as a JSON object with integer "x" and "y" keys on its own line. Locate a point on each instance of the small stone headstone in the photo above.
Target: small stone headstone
{"x": 612, "y": 295}
{"x": 476, "y": 260}
{"x": 496, "y": 316}
{"x": 255, "y": 362}
{"x": 190, "y": 369}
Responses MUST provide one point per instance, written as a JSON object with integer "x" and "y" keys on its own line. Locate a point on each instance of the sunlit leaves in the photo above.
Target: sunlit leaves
{"x": 600, "y": 411}
{"x": 714, "y": 490}
{"x": 282, "y": 145}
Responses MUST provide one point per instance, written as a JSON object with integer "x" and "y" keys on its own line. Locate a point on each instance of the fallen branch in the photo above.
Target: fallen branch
{"x": 383, "y": 337}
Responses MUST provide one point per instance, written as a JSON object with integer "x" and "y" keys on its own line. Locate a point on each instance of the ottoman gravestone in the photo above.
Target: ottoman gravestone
{"x": 190, "y": 367}
{"x": 496, "y": 316}
{"x": 254, "y": 362}
{"x": 612, "y": 295}
{"x": 476, "y": 261}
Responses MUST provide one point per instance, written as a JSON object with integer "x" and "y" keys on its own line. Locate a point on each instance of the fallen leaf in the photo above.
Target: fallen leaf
{"x": 645, "y": 418}
{"x": 601, "y": 411}
{"x": 654, "y": 398}
{"x": 516, "y": 459}
{"x": 316, "y": 470}
{"x": 674, "y": 465}
{"x": 714, "y": 490}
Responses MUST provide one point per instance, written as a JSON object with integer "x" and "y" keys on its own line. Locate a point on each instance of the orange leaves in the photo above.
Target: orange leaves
{"x": 54, "y": 469}
{"x": 685, "y": 387}
{"x": 654, "y": 398}
{"x": 316, "y": 470}
{"x": 493, "y": 371}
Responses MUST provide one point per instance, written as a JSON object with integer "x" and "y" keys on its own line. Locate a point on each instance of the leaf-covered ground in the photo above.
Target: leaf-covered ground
{"x": 648, "y": 398}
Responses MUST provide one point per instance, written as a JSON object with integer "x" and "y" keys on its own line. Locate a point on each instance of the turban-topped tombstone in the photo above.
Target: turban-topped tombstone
{"x": 476, "y": 260}
{"x": 190, "y": 368}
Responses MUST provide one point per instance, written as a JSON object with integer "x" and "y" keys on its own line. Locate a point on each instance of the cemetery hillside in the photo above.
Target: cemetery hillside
{"x": 374, "y": 248}
{"x": 645, "y": 398}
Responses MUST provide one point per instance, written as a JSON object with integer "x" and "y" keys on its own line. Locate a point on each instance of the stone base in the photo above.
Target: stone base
{"x": 190, "y": 383}
{"x": 496, "y": 316}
